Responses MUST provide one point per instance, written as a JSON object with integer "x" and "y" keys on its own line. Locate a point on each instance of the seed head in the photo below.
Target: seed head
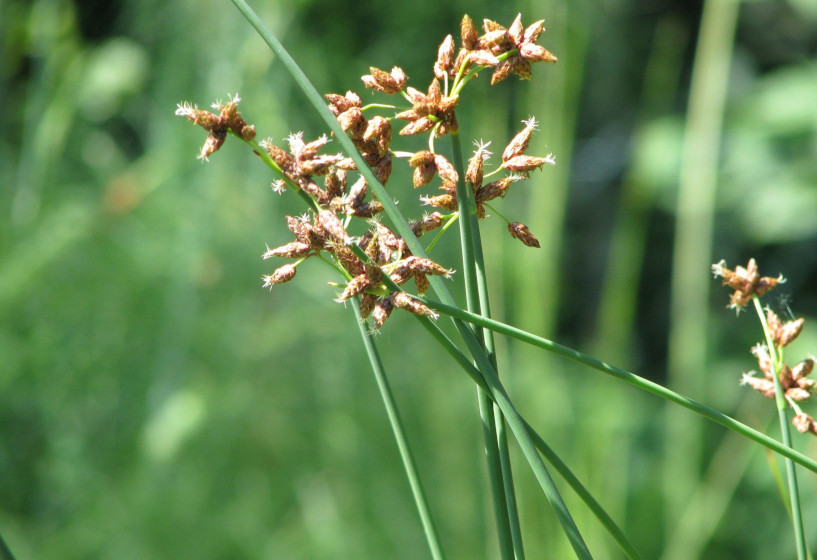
{"x": 385, "y": 82}
{"x": 519, "y": 144}
{"x": 281, "y": 275}
{"x": 745, "y": 282}
{"x": 445, "y": 58}
{"x": 520, "y": 231}
{"x": 526, "y": 164}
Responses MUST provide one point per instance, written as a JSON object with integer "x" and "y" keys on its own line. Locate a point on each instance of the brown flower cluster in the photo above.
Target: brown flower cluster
{"x": 746, "y": 282}
{"x": 514, "y": 160}
{"x": 378, "y": 262}
{"x": 509, "y": 50}
{"x": 218, "y": 125}
{"x": 388, "y": 256}
{"x": 795, "y": 384}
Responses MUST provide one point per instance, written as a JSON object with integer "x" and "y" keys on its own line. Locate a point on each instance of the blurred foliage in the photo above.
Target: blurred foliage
{"x": 155, "y": 403}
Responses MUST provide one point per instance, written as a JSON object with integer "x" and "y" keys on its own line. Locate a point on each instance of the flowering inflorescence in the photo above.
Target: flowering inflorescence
{"x": 378, "y": 263}
{"x": 794, "y": 383}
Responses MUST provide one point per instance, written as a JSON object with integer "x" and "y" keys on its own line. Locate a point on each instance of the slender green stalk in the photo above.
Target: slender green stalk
{"x": 400, "y": 438}
{"x": 780, "y": 400}
{"x": 603, "y": 517}
{"x": 496, "y": 475}
{"x": 627, "y": 377}
{"x": 477, "y": 298}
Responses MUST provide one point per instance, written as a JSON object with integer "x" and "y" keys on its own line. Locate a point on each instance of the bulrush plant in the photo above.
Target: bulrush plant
{"x": 788, "y": 386}
{"x": 381, "y": 259}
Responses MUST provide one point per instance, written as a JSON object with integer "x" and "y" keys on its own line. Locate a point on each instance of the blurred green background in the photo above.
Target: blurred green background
{"x": 155, "y": 402}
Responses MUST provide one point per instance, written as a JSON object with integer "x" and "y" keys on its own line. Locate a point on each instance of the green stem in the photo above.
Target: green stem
{"x": 477, "y": 298}
{"x": 603, "y": 517}
{"x": 400, "y": 437}
{"x": 486, "y": 411}
{"x": 626, "y": 376}
{"x": 780, "y": 400}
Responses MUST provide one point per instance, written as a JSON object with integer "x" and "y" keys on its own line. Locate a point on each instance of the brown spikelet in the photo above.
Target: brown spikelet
{"x": 520, "y": 231}
{"x": 445, "y": 168}
{"x": 355, "y": 286}
{"x": 367, "y": 303}
{"x": 468, "y": 33}
{"x": 444, "y": 201}
{"x": 382, "y": 81}
{"x": 519, "y": 143}
{"x": 494, "y": 189}
{"x": 524, "y": 164}
{"x": 444, "y": 64}
{"x": 405, "y": 301}
{"x": 293, "y": 250}
{"x": 281, "y": 275}
{"x": 382, "y": 311}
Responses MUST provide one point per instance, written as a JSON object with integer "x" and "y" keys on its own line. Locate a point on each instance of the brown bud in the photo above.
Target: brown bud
{"x": 804, "y": 423}
{"x": 520, "y": 231}
{"x": 356, "y": 286}
{"x": 348, "y": 260}
{"x": 763, "y": 386}
{"x": 382, "y": 311}
{"x": 339, "y": 104}
{"x": 280, "y": 276}
{"x": 802, "y": 369}
{"x": 368, "y": 209}
{"x": 533, "y": 31}
{"x": 382, "y": 81}
{"x": 494, "y": 189}
{"x": 423, "y": 124}
{"x": 798, "y": 394}
{"x": 333, "y": 227}
{"x": 429, "y": 222}
{"x": 405, "y": 301}
{"x": 367, "y": 303}
{"x": 761, "y": 352}
{"x": 378, "y": 129}
{"x": 352, "y": 122}
{"x": 422, "y": 283}
{"x": 483, "y": 57}
{"x": 517, "y": 30}
{"x": 335, "y": 183}
{"x": 444, "y": 201}
{"x": 468, "y": 33}
{"x": 445, "y": 58}
{"x": 519, "y": 143}
{"x": 524, "y": 164}
{"x": 423, "y": 175}
{"x": 473, "y": 175}
{"x": 788, "y": 331}
{"x": 504, "y": 69}
{"x": 280, "y": 156}
{"x": 423, "y": 157}
{"x": 293, "y": 250}
{"x": 212, "y": 143}
{"x": 445, "y": 169}
{"x": 536, "y": 53}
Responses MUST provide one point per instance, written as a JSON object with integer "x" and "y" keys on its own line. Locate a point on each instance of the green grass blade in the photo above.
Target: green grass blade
{"x": 596, "y": 508}
{"x": 476, "y": 289}
{"x": 400, "y": 437}
{"x": 626, "y": 376}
